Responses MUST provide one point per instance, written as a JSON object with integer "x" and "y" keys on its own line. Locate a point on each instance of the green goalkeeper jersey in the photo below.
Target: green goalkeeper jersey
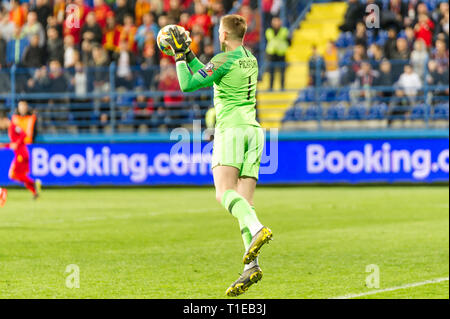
{"x": 234, "y": 75}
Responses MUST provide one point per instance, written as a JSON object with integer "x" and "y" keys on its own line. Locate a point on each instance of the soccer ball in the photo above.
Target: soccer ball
{"x": 3, "y": 196}
{"x": 164, "y": 34}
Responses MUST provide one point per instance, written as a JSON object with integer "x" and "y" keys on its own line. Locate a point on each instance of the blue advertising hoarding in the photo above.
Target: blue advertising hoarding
{"x": 284, "y": 162}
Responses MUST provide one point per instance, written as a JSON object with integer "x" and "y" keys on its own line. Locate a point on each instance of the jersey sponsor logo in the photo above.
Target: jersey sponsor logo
{"x": 203, "y": 73}
{"x": 209, "y": 68}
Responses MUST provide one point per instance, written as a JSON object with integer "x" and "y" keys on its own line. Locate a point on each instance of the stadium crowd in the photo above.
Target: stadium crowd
{"x": 409, "y": 49}
{"x": 68, "y": 46}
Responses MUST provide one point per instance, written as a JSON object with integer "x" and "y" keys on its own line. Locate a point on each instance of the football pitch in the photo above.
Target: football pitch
{"x": 179, "y": 243}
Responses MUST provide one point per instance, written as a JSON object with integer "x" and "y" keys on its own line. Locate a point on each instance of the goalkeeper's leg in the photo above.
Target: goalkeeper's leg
{"x": 226, "y": 182}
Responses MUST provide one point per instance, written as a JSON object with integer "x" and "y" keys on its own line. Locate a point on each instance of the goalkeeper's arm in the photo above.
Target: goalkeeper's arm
{"x": 194, "y": 63}
{"x": 192, "y": 82}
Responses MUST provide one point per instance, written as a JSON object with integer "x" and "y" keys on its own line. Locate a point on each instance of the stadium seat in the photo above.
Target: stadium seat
{"x": 313, "y": 113}
{"x": 378, "y": 111}
{"x": 336, "y": 112}
{"x": 343, "y": 95}
{"x": 306, "y": 95}
{"x": 420, "y": 112}
{"x": 357, "y": 112}
{"x": 327, "y": 95}
{"x": 293, "y": 114}
{"x": 441, "y": 112}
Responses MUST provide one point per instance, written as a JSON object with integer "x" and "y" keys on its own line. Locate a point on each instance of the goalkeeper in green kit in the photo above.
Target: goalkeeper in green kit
{"x": 239, "y": 139}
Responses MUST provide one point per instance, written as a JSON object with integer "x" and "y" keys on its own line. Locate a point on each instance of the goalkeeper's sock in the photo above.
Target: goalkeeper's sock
{"x": 247, "y": 237}
{"x": 241, "y": 209}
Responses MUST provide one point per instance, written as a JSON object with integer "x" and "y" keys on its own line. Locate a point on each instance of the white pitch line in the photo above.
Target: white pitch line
{"x": 427, "y": 282}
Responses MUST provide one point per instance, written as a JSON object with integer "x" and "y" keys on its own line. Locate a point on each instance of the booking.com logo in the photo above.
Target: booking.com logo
{"x": 188, "y": 156}
{"x": 379, "y": 161}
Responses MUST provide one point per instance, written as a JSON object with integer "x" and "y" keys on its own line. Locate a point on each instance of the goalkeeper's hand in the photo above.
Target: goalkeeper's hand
{"x": 179, "y": 43}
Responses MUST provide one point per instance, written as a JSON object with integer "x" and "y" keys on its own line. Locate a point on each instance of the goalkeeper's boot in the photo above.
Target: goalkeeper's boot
{"x": 249, "y": 277}
{"x": 262, "y": 237}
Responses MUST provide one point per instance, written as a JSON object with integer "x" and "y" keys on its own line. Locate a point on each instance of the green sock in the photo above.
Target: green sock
{"x": 241, "y": 209}
{"x": 246, "y": 235}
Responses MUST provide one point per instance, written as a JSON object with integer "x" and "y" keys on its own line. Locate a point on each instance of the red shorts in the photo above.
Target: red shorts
{"x": 20, "y": 165}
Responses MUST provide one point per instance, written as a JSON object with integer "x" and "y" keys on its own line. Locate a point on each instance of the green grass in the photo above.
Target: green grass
{"x": 179, "y": 243}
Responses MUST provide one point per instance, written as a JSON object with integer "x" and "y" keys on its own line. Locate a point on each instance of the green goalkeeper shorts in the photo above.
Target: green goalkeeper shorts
{"x": 239, "y": 147}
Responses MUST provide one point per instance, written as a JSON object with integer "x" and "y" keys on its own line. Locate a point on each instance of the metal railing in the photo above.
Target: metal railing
{"x": 149, "y": 99}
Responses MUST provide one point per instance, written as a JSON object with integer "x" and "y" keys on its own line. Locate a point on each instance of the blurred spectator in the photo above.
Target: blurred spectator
{"x": 331, "y": 59}
{"x": 91, "y": 30}
{"x": 172, "y": 98}
{"x": 16, "y": 47}
{"x": 267, "y": 15}
{"x": 201, "y": 18}
{"x": 410, "y": 37}
{"x": 316, "y": 68}
{"x": 40, "y": 81}
{"x": 365, "y": 79}
{"x": 70, "y": 52}
{"x": 43, "y": 11}
{"x": 360, "y": 34}
{"x": 59, "y": 10}
{"x": 58, "y": 80}
{"x": 424, "y": 29}
{"x": 175, "y": 11}
{"x": 110, "y": 35}
{"x": 150, "y": 61}
{"x": 141, "y": 9}
{"x": 17, "y": 14}
{"x": 376, "y": 55}
{"x": 277, "y": 44}
{"x": 399, "y": 9}
{"x": 79, "y": 81}
{"x": 184, "y": 20}
{"x": 124, "y": 59}
{"x": 408, "y": 84}
{"x": 100, "y": 79}
{"x": 442, "y": 26}
{"x": 52, "y": 22}
{"x": 440, "y": 54}
{"x": 207, "y": 54}
{"x": 390, "y": 44}
{"x": 127, "y": 32}
{"x": 400, "y": 57}
{"x": 55, "y": 46}
{"x": 2, "y": 51}
{"x": 34, "y": 55}
{"x": 121, "y": 10}
{"x": 253, "y": 24}
{"x": 419, "y": 57}
{"x": 437, "y": 75}
{"x": 33, "y": 27}
{"x": 148, "y": 25}
{"x": 355, "y": 12}
{"x": 6, "y": 26}
{"x": 86, "y": 53}
{"x": 102, "y": 11}
{"x": 385, "y": 79}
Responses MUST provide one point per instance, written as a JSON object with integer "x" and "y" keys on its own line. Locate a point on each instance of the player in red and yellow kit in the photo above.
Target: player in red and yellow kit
{"x": 20, "y": 167}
